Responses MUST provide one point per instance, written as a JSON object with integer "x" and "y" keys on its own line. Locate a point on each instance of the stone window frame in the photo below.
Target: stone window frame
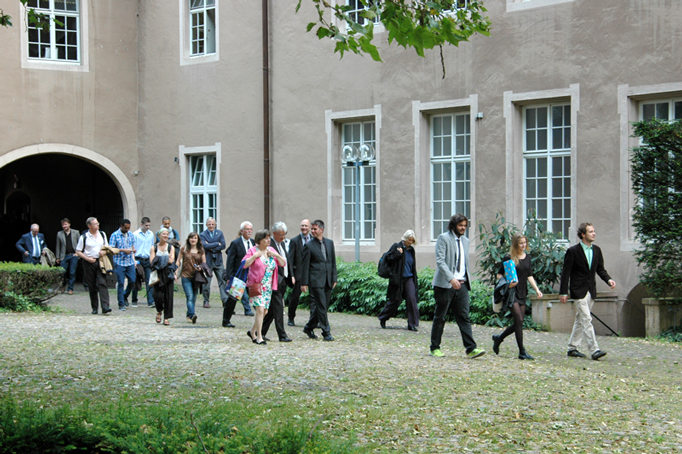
{"x": 186, "y": 57}
{"x": 523, "y": 5}
{"x": 184, "y": 154}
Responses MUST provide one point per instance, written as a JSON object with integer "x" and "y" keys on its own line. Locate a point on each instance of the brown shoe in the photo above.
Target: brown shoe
{"x": 207, "y": 306}
{"x": 70, "y": 292}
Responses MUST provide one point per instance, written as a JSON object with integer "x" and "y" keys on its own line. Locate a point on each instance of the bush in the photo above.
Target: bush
{"x": 26, "y": 287}
{"x": 547, "y": 250}
{"x": 657, "y": 183}
{"x": 129, "y": 428}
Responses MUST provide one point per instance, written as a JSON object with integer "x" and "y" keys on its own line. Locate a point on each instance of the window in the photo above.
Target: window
{"x": 202, "y": 27}
{"x": 357, "y": 7}
{"x": 666, "y": 110}
{"x": 62, "y": 41}
{"x": 357, "y": 134}
{"x": 203, "y": 190}
{"x": 450, "y": 169}
{"x": 547, "y": 165}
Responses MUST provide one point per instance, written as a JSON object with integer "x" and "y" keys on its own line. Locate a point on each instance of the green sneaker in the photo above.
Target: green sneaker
{"x": 437, "y": 353}
{"x": 475, "y": 353}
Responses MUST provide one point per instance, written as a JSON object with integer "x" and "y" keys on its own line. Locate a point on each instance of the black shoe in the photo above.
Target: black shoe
{"x": 284, "y": 339}
{"x": 311, "y": 334}
{"x": 266, "y": 339}
{"x": 125, "y": 302}
{"x": 248, "y": 333}
{"x": 263, "y": 342}
{"x": 106, "y": 311}
{"x": 496, "y": 343}
{"x": 229, "y": 325}
{"x": 150, "y": 305}
{"x": 94, "y": 312}
{"x": 328, "y": 337}
{"x": 249, "y": 314}
{"x": 291, "y": 322}
{"x": 194, "y": 319}
{"x": 524, "y": 355}
{"x": 598, "y": 354}
{"x": 575, "y": 354}
{"x": 412, "y": 328}
{"x": 383, "y": 324}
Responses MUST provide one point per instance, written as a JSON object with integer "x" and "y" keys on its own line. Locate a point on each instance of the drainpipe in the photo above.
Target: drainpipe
{"x": 266, "y": 117}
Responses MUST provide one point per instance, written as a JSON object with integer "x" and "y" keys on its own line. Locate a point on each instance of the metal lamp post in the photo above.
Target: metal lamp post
{"x": 357, "y": 157}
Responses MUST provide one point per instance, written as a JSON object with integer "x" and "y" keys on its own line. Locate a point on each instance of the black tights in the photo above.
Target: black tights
{"x": 518, "y": 312}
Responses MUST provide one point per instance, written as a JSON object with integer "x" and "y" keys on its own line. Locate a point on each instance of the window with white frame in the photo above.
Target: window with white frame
{"x": 356, "y": 9}
{"x": 203, "y": 190}
{"x": 357, "y": 134}
{"x": 450, "y": 169}
{"x": 202, "y": 27}
{"x": 547, "y": 165}
{"x": 61, "y": 41}
{"x": 665, "y": 109}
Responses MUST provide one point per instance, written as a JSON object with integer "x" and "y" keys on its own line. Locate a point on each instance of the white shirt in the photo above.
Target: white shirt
{"x": 93, "y": 244}
{"x": 460, "y": 274}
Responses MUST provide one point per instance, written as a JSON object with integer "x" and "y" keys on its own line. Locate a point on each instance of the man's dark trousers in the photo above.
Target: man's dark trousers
{"x": 276, "y": 313}
{"x": 459, "y": 300}
{"x": 319, "y": 303}
{"x": 97, "y": 284}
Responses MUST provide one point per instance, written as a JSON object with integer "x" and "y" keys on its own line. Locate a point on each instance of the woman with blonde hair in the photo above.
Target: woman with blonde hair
{"x": 403, "y": 281}
{"x": 162, "y": 259}
{"x": 519, "y": 253}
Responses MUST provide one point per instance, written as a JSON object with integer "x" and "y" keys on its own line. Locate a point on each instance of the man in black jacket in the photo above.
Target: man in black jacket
{"x": 276, "y": 311}
{"x": 581, "y": 263}
{"x": 235, "y": 254}
{"x": 318, "y": 273}
{"x": 296, "y": 259}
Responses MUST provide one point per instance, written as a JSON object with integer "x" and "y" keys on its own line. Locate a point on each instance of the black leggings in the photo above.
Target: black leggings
{"x": 518, "y": 311}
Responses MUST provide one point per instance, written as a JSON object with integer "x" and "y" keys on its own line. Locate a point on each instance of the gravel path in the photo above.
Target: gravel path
{"x": 382, "y": 384}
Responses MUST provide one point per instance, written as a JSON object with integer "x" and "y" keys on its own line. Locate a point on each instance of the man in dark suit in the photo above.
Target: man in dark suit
{"x": 276, "y": 311}
{"x": 213, "y": 241}
{"x": 296, "y": 259}
{"x": 235, "y": 255}
{"x": 32, "y": 245}
{"x": 318, "y": 274}
{"x": 581, "y": 263}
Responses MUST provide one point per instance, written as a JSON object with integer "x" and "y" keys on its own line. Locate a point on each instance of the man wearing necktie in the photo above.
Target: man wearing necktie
{"x": 276, "y": 311}
{"x": 319, "y": 274}
{"x": 296, "y": 258}
{"x": 451, "y": 286}
{"x": 32, "y": 245}
{"x": 581, "y": 263}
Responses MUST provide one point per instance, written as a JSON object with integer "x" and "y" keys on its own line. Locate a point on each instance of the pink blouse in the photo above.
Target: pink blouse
{"x": 257, "y": 268}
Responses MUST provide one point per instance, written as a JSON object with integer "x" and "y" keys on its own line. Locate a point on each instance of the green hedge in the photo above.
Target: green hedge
{"x": 25, "y": 287}
{"x": 359, "y": 290}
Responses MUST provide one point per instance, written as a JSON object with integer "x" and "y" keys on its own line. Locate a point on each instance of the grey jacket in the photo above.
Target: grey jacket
{"x": 446, "y": 259}
{"x": 61, "y": 243}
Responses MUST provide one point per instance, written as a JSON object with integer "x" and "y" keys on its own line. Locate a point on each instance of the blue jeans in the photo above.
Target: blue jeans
{"x": 191, "y": 292}
{"x": 69, "y": 264}
{"x": 121, "y": 273}
{"x": 144, "y": 262}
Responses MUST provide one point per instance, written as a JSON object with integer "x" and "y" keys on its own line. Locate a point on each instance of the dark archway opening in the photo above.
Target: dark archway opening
{"x": 46, "y": 188}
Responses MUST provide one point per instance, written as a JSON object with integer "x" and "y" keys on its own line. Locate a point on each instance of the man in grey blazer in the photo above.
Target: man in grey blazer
{"x": 67, "y": 242}
{"x": 451, "y": 285}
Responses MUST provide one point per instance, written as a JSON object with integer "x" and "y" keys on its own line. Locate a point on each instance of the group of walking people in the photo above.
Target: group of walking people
{"x": 308, "y": 263}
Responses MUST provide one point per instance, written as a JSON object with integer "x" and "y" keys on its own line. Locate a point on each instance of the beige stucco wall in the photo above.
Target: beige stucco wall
{"x": 142, "y": 103}
{"x": 94, "y": 108}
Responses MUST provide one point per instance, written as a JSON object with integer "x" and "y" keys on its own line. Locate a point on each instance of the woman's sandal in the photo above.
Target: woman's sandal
{"x": 166, "y": 322}
{"x": 158, "y": 317}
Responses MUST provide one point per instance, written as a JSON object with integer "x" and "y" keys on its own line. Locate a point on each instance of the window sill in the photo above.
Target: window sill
{"x": 53, "y": 65}
{"x": 513, "y": 6}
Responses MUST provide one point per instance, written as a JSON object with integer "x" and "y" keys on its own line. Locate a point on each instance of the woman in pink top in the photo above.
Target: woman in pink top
{"x": 261, "y": 261}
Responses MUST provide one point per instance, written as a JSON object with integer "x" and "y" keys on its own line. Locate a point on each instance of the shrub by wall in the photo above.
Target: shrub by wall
{"x": 25, "y": 287}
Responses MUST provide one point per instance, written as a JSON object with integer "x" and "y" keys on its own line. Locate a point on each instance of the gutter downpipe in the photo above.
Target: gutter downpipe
{"x": 266, "y": 117}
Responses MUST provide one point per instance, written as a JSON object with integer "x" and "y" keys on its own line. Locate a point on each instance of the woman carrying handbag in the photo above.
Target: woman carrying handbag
{"x": 190, "y": 258}
{"x": 261, "y": 261}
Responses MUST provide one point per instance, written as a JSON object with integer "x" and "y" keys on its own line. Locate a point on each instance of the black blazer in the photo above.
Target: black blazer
{"x": 317, "y": 272}
{"x": 282, "y": 281}
{"x": 396, "y": 261}
{"x": 576, "y": 271}
{"x": 296, "y": 256}
{"x": 235, "y": 255}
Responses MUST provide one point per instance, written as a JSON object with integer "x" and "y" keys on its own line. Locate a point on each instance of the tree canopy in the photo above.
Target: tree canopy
{"x": 419, "y": 24}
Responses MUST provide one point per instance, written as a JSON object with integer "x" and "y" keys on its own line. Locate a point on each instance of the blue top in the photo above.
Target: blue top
{"x": 123, "y": 241}
{"x": 143, "y": 243}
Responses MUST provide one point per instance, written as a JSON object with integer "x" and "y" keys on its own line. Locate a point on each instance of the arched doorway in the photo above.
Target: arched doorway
{"x": 52, "y": 182}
